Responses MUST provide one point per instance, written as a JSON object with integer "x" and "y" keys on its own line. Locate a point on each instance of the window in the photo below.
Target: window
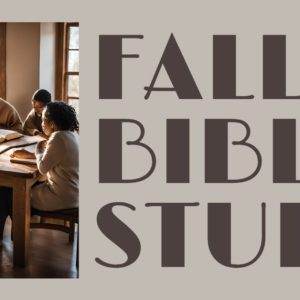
{"x": 67, "y": 63}
{"x": 72, "y": 64}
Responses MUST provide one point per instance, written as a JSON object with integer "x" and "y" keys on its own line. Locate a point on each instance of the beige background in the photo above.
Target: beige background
{"x": 193, "y": 24}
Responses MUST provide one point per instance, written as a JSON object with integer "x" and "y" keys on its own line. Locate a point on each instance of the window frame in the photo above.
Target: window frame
{"x": 62, "y": 49}
{"x": 66, "y": 71}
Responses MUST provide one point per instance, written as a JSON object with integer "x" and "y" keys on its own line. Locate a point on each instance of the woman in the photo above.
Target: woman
{"x": 57, "y": 158}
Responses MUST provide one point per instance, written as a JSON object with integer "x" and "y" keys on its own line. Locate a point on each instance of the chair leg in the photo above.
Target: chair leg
{"x": 2, "y": 225}
{"x": 12, "y": 231}
{"x": 71, "y": 231}
{"x": 77, "y": 249}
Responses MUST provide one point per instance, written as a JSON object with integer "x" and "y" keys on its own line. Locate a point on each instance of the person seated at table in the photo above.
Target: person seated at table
{"x": 9, "y": 119}
{"x": 58, "y": 158}
{"x": 33, "y": 122}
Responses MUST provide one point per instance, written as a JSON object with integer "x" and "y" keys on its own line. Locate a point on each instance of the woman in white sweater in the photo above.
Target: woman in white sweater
{"x": 58, "y": 159}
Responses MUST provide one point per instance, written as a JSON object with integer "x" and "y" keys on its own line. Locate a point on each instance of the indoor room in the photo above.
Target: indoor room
{"x": 39, "y": 150}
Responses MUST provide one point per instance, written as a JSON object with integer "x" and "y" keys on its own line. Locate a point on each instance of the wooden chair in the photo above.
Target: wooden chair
{"x": 66, "y": 215}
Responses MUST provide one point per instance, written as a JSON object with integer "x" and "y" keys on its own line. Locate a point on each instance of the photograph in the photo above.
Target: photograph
{"x": 39, "y": 150}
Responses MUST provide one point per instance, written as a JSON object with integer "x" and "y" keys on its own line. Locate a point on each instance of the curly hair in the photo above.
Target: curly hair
{"x": 62, "y": 115}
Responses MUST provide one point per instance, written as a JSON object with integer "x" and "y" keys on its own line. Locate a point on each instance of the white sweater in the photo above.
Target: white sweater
{"x": 60, "y": 162}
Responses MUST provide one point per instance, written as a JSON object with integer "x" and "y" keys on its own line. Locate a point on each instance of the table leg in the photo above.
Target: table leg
{"x": 21, "y": 221}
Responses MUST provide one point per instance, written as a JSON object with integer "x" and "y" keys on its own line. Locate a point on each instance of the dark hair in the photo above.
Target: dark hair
{"x": 42, "y": 96}
{"x": 62, "y": 115}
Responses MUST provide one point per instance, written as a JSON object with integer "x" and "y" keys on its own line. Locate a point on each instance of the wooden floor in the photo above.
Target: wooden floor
{"x": 50, "y": 256}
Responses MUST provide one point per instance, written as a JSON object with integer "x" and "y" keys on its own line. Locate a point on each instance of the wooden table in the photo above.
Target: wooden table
{"x": 20, "y": 178}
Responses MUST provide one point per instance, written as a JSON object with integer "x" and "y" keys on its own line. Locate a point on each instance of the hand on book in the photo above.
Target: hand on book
{"x": 43, "y": 135}
{"x": 40, "y": 147}
{"x": 22, "y": 153}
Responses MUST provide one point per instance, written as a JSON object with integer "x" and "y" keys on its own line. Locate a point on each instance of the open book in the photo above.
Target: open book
{"x": 23, "y": 141}
{"x": 7, "y": 135}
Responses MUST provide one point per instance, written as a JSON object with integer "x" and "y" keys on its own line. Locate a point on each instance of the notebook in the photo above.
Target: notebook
{"x": 25, "y": 161}
{"x": 7, "y": 135}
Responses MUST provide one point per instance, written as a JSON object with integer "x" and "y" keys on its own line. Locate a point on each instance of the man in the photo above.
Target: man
{"x": 9, "y": 117}
{"x": 33, "y": 122}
